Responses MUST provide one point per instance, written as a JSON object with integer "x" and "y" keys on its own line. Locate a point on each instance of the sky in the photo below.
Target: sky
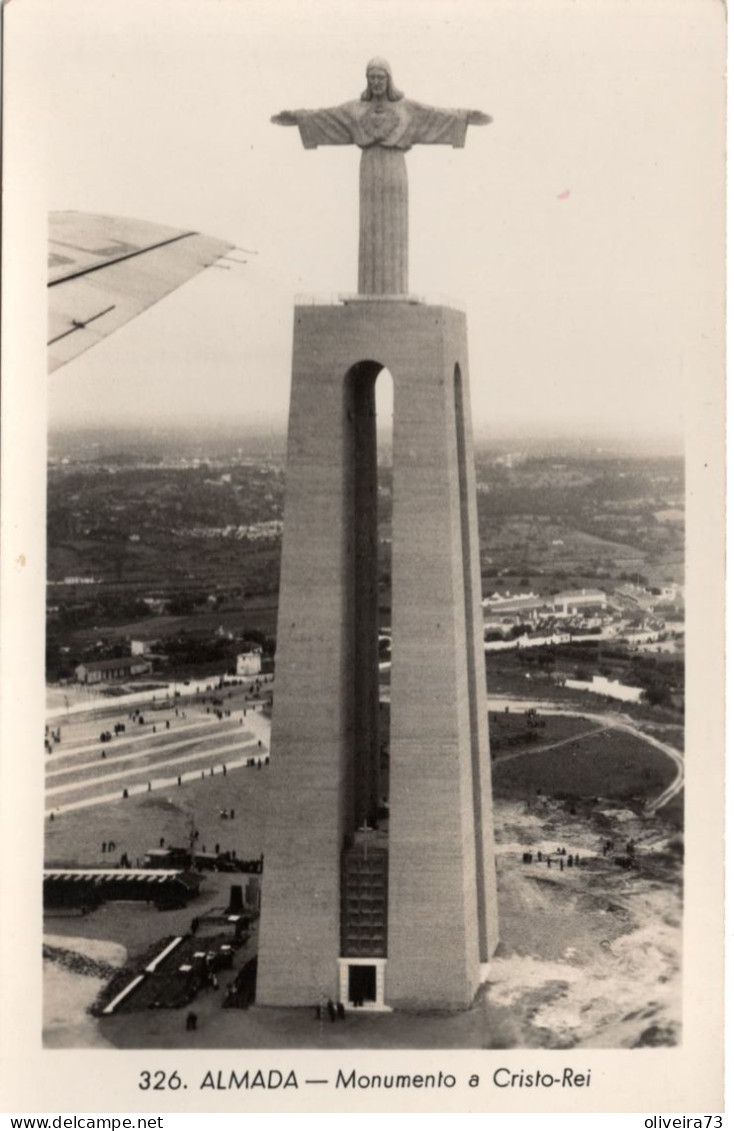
{"x": 581, "y": 230}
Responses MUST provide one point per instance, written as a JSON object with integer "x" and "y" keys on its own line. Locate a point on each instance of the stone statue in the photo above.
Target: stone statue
{"x": 385, "y": 125}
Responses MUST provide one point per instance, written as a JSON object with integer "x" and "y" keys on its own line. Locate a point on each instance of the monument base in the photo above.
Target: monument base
{"x": 441, "y": 891}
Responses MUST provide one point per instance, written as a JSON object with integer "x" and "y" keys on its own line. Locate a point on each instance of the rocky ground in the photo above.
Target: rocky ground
{"x": 74, "y": 971}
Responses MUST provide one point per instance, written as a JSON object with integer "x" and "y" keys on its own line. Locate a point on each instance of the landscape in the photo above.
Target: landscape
{"x": 162, "y": 595}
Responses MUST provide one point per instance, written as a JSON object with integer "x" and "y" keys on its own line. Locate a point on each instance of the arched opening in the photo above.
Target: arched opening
{"x": 369, "y": 501}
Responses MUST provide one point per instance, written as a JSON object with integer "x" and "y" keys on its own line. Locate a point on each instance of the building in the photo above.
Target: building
{"x": 612, "y": 688}
{"x": 103, "y": 671}
{"x": 527, "y": 606}
{"x": 88, "y": 887}
{"x": 250, "y": 663}
{"x": 157, "y": 605}
{"x": 579, "y": 601}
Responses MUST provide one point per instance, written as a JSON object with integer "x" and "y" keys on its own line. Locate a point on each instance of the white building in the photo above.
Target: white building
{"x": 249, "y": 663}
{"x": 99, "y": 671}
{"x": 528, "y": 605}
{"x": 576, "y": 601}
{"x": 600, "y": 685}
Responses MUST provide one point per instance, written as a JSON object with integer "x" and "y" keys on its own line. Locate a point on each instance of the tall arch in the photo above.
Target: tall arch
{"x": 363, "y": 601}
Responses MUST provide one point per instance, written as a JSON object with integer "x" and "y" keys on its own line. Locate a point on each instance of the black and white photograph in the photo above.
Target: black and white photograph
{"x": 362, "y": 592}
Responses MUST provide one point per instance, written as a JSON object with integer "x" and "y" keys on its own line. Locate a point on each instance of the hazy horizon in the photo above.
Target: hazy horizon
{"x": 580, "y": 230}
{"x": 601, "y": 444}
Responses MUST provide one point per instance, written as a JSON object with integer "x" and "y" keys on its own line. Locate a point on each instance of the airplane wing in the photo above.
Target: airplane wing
{"x": 105, "y": 270}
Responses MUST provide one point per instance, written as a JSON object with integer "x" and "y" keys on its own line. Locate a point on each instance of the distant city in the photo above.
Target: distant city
{"x": 174, "y": 539}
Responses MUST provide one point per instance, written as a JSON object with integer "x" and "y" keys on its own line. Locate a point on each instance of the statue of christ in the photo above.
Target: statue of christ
{"x": 385, "y": 125}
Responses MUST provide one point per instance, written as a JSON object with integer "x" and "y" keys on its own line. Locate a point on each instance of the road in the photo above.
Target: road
{"x": 95, "y": 699}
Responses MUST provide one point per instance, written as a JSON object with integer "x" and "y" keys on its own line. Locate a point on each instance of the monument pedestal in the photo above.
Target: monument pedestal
{"x": 441, "y": 899}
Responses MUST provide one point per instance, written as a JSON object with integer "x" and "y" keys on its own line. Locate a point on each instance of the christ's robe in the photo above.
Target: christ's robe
{"x": 384, "y": 131}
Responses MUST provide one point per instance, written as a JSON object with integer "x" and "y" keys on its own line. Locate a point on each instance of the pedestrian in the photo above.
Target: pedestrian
{"x": 191, "y": 1020}
{"x": 104, "y": 845}
{"x": 150, "y": 786}
{"x": 340, "y": 1011}
{"x": 224, "y": 770}
{"x": 178, "y": 779}
{"x": 231, "y": 814}
{"x": 161, "y": 842}
{"x": 331, "y": 1010}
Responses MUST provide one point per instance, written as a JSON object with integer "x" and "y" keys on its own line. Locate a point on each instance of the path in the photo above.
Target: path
{"x": 114, "y": 759}
{"x": 616, "y": 721}
{"x": 549, "y": 745}
{"x": 254, "y": 742}
{"x": 128, "y": 737}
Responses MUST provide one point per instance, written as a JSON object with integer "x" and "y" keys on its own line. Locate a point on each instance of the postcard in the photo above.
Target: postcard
{"x": 362, "y": 581}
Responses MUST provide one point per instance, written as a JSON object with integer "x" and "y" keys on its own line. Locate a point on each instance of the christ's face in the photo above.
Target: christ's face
{"x": 377, "y": 81}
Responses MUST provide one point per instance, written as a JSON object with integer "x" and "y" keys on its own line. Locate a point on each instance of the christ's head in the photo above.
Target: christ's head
{"x": 379, "y": 82}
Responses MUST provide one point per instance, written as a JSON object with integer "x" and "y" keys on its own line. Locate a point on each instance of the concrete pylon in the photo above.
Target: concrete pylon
{"x": 441, "y": 902}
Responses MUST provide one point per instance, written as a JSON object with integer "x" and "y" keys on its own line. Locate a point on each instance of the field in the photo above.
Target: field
{"x": 511, "y": 733}
{"x": 589, "y": 761}
{"x": 253, "y": 612}
{"x": 75, "y": 838}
